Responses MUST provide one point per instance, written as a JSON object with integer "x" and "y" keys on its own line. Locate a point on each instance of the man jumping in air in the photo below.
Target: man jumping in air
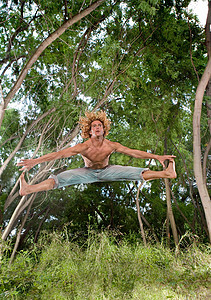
{"x": 95, "y": 152}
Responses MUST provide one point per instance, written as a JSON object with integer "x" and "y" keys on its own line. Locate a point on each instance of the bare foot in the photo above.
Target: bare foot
{"x": 171, "y": 172}
{"x": 23, "y": 185}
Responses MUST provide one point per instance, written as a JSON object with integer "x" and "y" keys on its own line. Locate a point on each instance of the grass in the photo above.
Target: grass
{"x": 104, "y": 269}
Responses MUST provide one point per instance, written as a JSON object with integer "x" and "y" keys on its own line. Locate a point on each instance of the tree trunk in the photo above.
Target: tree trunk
{"x": 208, "y": 88}
{"x": 208, "y": 104}
{"x": 170, "y": 212}
{"x": 20, "y": 230}
{"x": 50, "y": 39}
{"x": 168, "y": 235}
{"x": 203, "y": 192}
{"x": 139, "y": 216}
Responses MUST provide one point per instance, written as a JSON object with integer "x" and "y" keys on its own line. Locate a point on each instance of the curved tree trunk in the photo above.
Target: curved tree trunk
{"x": 208, "y": 88}
{"x": 198, "y": 171}
{"x": 50, "y": 39}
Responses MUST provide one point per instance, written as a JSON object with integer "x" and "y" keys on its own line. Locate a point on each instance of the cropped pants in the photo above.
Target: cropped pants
{"x": 88, "y": 175}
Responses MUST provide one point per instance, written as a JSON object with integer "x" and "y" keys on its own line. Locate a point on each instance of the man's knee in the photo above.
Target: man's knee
{"x": 144, "y": 174}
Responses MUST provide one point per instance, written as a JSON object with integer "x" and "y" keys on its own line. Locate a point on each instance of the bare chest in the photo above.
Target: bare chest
{"x": 95, "y": 154}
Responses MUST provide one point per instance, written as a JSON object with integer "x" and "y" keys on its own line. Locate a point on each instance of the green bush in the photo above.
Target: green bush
{"x": 105, "y": 268}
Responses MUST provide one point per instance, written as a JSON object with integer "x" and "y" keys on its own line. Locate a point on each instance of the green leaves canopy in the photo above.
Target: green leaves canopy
{"x": 134, "y": 59}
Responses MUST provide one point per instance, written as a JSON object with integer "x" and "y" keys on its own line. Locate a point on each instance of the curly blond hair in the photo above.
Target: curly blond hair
{"x": 85, "y": 122}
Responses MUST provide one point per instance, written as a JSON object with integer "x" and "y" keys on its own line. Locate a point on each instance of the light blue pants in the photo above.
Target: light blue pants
{"x": 88, "y": 175}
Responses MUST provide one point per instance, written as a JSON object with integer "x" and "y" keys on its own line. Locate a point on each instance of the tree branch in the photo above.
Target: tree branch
{"x": 2, "y": 168}
{"x": 50, "y": 39}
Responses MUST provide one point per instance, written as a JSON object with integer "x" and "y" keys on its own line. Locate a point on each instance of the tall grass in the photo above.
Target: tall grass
{"x": 104, "y": 268}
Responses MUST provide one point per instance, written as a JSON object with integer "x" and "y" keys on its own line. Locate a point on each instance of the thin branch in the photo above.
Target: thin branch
{"x": 41, "y": 137}
{"x": 21, "y": 228}
{"x": 46, "y": 43}
{"x": 8, "y": 140}
{"x": 2, "y": 168}
{"x": 139, "y": 215}
{"x": 40, "y": 224}
{"x": 206, "y": 153}
{"x": 191, "y": 56}
{"x": 1, "y": 94}
{"x": 81, "y": 6}
{"x": 49, "y": 40}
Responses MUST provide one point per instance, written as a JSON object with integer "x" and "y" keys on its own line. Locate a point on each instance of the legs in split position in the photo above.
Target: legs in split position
{"x": 49, "y": 184}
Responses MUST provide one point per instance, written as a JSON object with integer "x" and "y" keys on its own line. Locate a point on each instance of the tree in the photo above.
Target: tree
{"x": 198, "y": 170}
{"x": 127, "y": 58}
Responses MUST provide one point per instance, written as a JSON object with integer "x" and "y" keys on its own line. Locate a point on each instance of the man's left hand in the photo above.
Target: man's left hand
{"x": 162, "y": 158}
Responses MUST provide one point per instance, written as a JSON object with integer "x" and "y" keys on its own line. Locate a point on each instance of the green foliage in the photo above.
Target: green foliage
{"x": 143, "y": 47}
{"x": 106, "y": 268}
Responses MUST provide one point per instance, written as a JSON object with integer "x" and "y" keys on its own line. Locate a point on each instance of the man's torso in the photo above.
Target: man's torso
{"x": 96, "y": 156}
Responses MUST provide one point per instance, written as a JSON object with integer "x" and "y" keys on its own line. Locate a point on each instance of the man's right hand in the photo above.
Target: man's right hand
{"x": 27, "y": 164}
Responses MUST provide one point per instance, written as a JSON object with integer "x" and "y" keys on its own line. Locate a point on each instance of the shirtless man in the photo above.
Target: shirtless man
{"x": 95, "y": 152}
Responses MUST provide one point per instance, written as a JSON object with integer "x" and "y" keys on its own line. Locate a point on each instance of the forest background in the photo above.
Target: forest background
{"x": 146, "y": 63}
{"x": 141, "y": 62}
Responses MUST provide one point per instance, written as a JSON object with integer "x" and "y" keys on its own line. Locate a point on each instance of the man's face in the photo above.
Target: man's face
{"x": 96, "y": 129}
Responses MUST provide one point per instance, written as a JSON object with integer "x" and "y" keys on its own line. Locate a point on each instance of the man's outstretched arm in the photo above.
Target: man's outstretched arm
{"x": 27, "y": 164}
{"x": 142, "y": 154}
